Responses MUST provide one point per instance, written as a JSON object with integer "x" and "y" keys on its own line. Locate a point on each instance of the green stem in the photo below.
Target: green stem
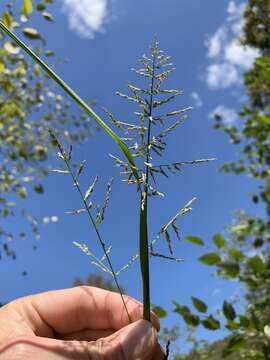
{"x": 144, "y": 262}
{"x": 144, "y": 246}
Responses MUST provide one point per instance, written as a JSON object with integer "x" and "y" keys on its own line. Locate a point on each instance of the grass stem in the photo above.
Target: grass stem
{"x": 144, "y": 246}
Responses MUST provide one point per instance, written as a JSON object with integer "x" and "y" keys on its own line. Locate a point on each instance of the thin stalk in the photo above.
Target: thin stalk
{"x": 76, "y": 183}
{"x": 144, "y": 246}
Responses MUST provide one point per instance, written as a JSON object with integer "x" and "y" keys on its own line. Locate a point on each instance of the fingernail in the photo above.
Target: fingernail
{"x": 140, "y": 342}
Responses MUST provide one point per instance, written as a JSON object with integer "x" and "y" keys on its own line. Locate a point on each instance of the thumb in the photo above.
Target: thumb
{"x": 136, "y": 341}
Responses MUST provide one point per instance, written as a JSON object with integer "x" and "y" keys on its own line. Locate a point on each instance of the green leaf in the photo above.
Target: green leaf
{"x": 181, "y": 309}
{"x": 236, "y": 253}
{"x": 2, "y": 67}
{"x": 244, "y": 321}
{"x": 22, "y": 192}
{"x": 229, "y": 269}
{"x": 256, "y": 264}
{"x": 31, "y": 33}
{"x": 27, "y": 7}
{"x": 39, "y": 189}
{"x": 199, "y": 304}
{"x": 49, "y": 53}
{"x": 47, "y": 16}
{"x": 266, "y": 330}
{"x": 10, "y": 48}
{"x": 228, "y": 311}
{"x": 160, "y": 312}
{"x": 211, "y": 323}
{"x": 191, "y": 319}
{"x": 235, "y": 343}
{"x": 255, "y": 320}
{"x": 232, "y": 325}
{"x": 194, "y": 240}
{"x": 188, "y": 317}
{"x": 40, "y": 6}
{"x": 7, "y": 19}
{"x": 210, "y": 259}
{"x": 219, "y": 241}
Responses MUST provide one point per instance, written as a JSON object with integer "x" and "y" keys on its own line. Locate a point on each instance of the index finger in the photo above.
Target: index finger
{"x": 80, "y": 308}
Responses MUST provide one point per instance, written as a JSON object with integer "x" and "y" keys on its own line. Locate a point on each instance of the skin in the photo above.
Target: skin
{"x": 81, "y": 323}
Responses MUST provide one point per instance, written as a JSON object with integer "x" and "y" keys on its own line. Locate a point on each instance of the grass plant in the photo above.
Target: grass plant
{"x": 142, "y": 143}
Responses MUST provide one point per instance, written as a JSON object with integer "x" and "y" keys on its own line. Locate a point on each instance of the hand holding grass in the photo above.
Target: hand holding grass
{"x": 79, "y": 323}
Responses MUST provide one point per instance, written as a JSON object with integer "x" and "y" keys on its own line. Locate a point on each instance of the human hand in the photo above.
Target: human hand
{"x": 81, "y": 323}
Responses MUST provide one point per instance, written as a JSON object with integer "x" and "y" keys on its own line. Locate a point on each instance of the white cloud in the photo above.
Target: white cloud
{"x": 237, "y": 55}
{"x": 86, "y": 17}
{"x": 234, "y": 10}
{"x": 222, "y": 75}
{"x": 214, "y": 43}
{"x": 197, "y": 100}
{"x": 228, "y": 57}
{"x": 229, "y": 116}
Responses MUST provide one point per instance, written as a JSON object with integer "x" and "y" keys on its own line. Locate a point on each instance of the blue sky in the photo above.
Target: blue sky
{"x": 102, "y": 41}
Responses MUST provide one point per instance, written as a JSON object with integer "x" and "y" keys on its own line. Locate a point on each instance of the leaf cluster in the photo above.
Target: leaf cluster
{"x": 29, "y": 104}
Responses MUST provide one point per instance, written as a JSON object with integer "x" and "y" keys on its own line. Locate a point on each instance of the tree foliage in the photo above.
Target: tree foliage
{"x": 243, "y": 253}
{"x": 29, "y": 105}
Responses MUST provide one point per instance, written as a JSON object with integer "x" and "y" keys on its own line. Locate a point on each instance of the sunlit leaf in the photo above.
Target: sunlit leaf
{"x": 256, "y": 264}
{"x": 211, "y": 323}
{"x": 194, "y": 240}
{"x": 160, "y": 312}
{"x": 47, "y": 16}
{"x": 229, "y": 269}
{"x": 219, "y": 241}
{"x": 244, "y": 321}
{"x": 7, "y": 19}
{"x": 236, "y": 253}
{"x": 235, "y": 343}
{"x": 27, "y": 7}
{"x": 41, "y": 6}
{"x": 228, "y": 311}
{"x": 210, "y": 259}
{"x": 266, "y": 330}
{"x": 188, "y": 317}
{"x": 39, "y": 189}
{"x": 31, "y": 33}
{"x": 22, "y": 192}
{"x": 11, "y": 48}
{"x": 199, "y": 304}
{"x": 2, "y": 67}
